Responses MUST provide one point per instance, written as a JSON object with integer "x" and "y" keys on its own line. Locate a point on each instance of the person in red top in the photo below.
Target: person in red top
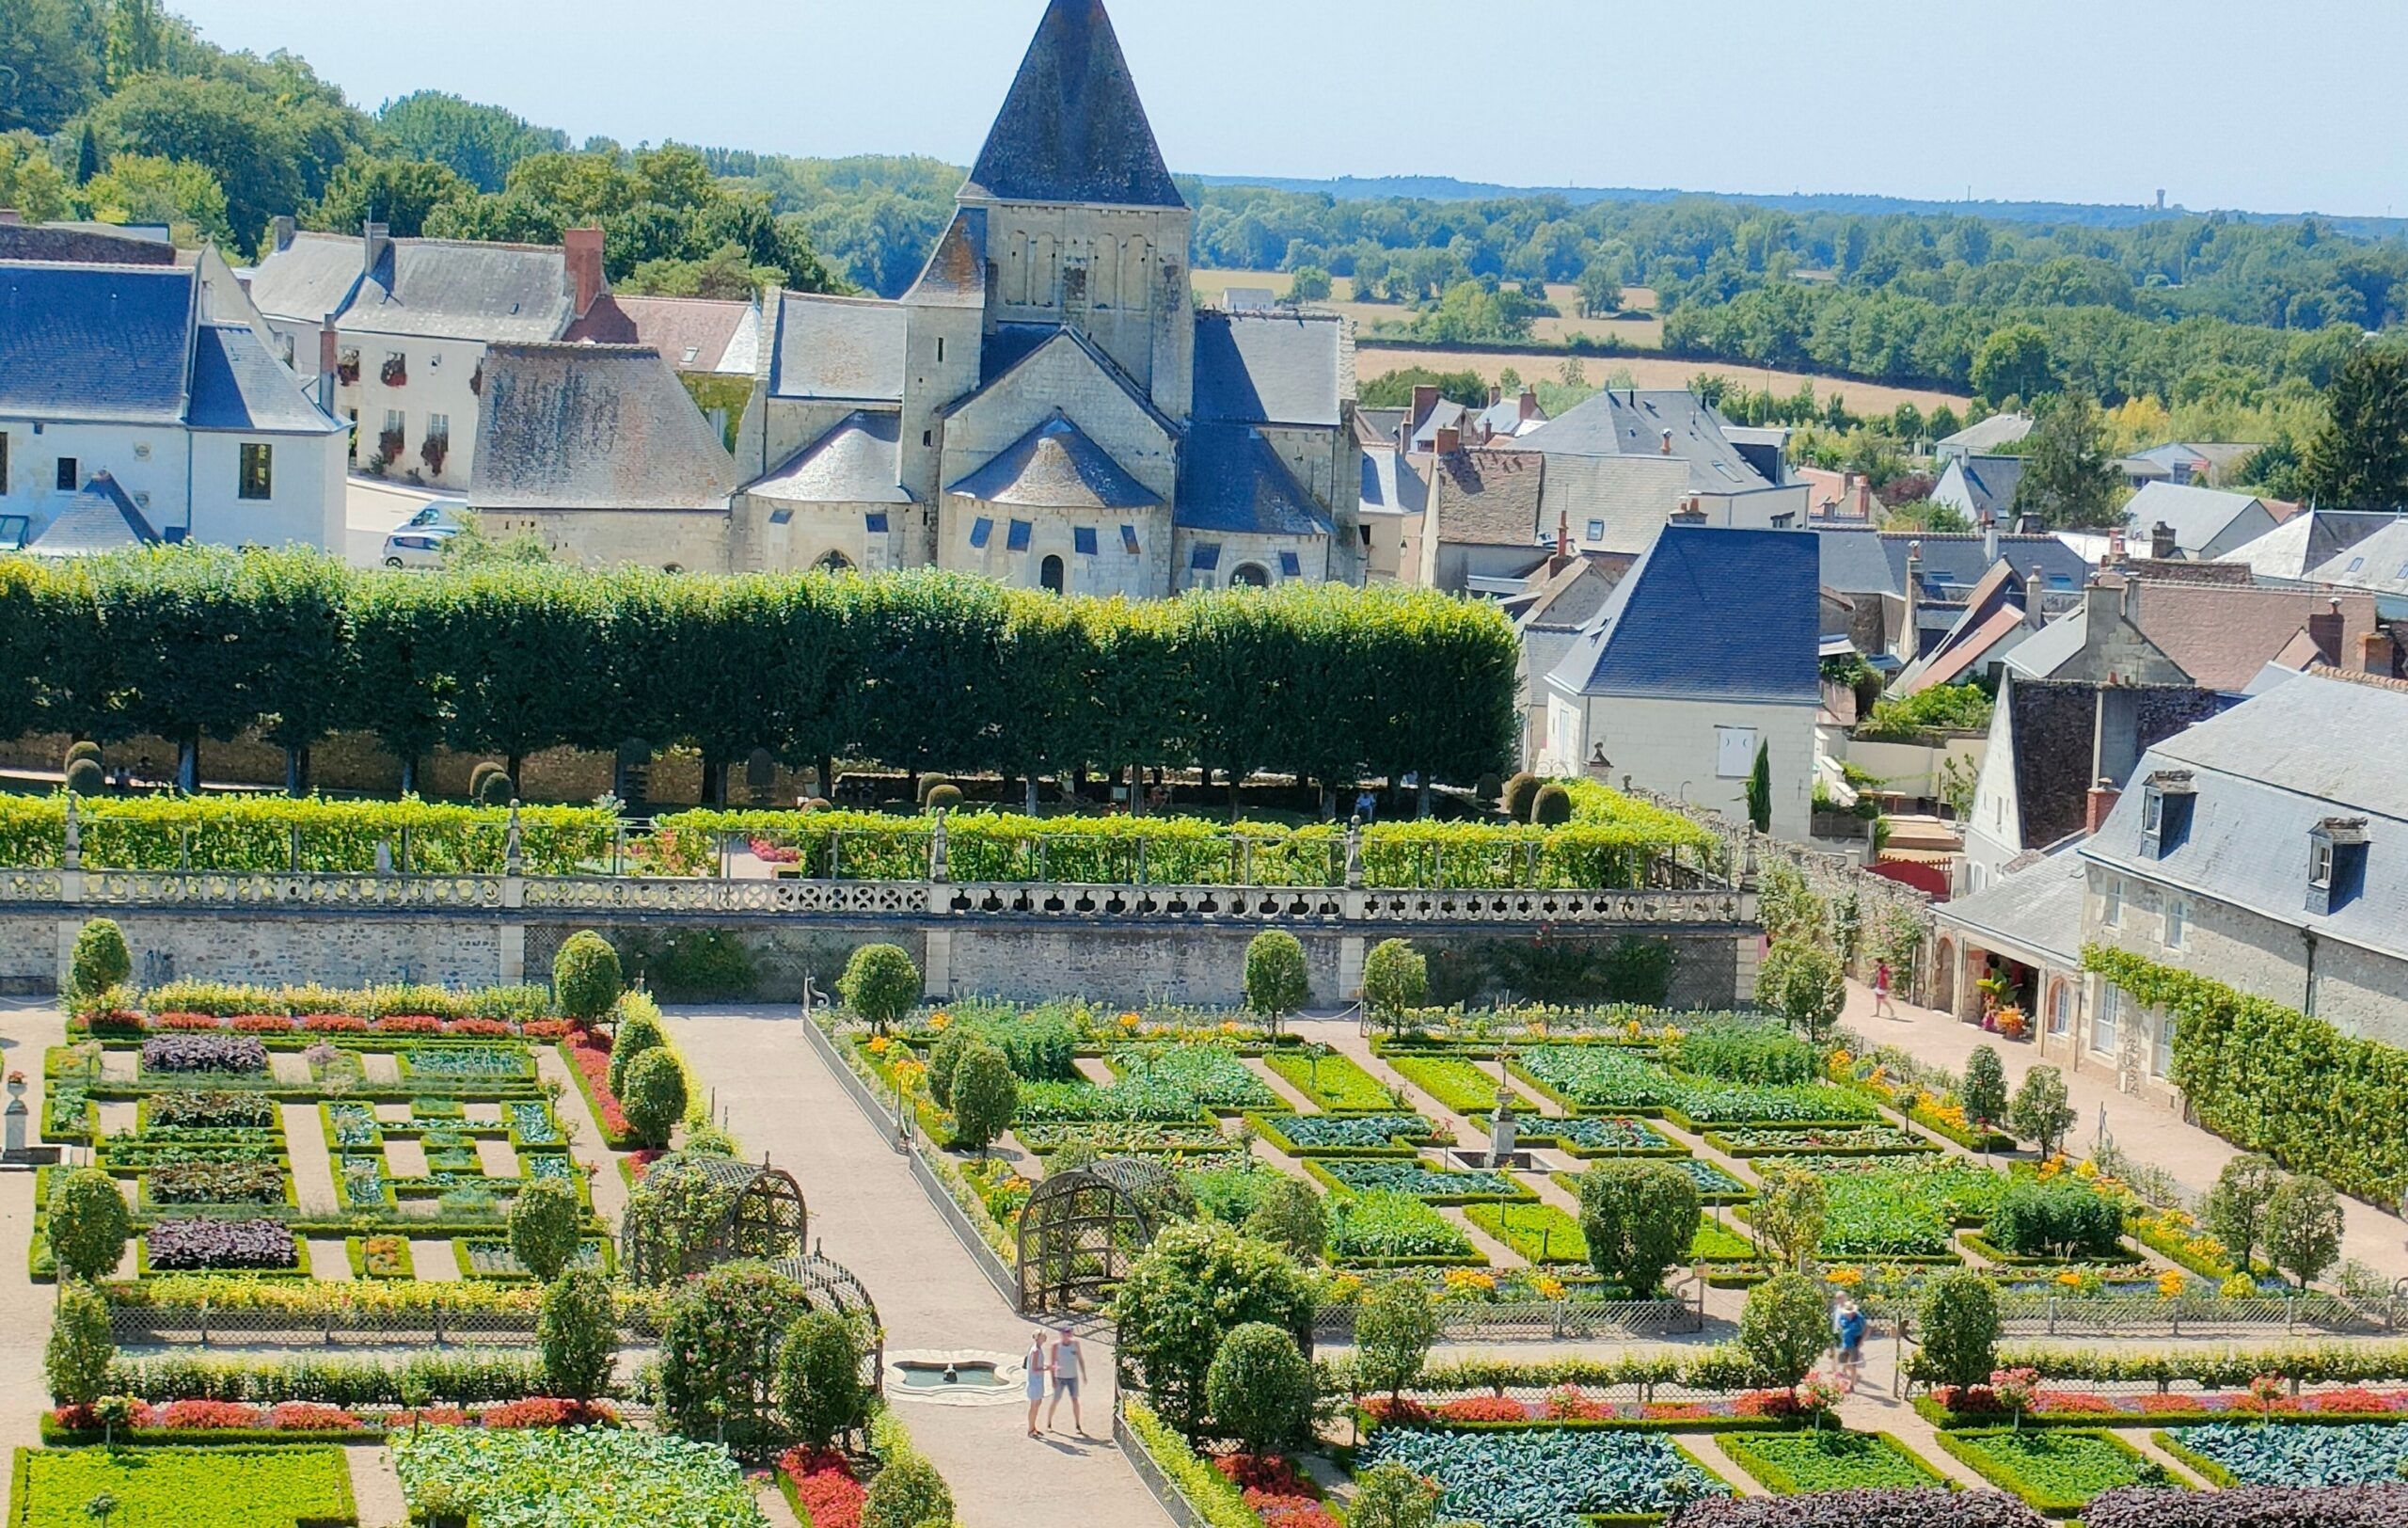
{"x": 1882, "y": 1007}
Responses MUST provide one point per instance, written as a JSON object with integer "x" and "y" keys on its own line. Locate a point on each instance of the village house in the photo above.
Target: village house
{"x": 1983, "y": 436}
{"x": 159, "y": 380}
{"x": 2206, "y": 522}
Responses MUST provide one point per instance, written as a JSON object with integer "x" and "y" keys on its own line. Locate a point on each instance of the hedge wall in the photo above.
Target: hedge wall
{"x": 920, "y": 669}
{"x": 2274, "y": 1080}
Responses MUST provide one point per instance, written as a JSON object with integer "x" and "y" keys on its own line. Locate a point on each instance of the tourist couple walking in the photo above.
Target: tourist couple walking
{"x": 1060, "y": 1358}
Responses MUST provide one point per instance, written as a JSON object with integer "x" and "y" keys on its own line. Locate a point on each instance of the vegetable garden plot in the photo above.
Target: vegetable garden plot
{"x": 1827, "y": 1460}
{"x": 1394, "y": 1228}
{"x": 593, "y": 1477}
{"x": 2248, "y": 1454}
{"x": 2057, "y": 1470}
{"x": 1440, "y": 1185}
{"x": 1544, "y": 1478}
{"x": 1393, "y": 1133}
{"x": 190, "y": 1487}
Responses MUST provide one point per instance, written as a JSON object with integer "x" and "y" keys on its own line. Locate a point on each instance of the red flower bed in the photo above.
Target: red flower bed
{"x": 2180, "y": 1402}
{"x": 178, "y": 1416}
{"x": 824, "y": 1483}
{"x": 592, "y": 1054}
{"x": 1407, "y": 1413}
{"x": 409, "y": 1024}
{"x": 434, "y": 1416}
{"x": 1483, "y": 1408}
{"x": 537, "y": 1029}
{"x": 1675, "y": 1411}
{"x": 311, "y": 1416}
{"x": 1765, "y": 1403}
{"x": 479, "y": 1028}
{"x": 263, "y": 1024}
{"x": 334, "y": 1023}
{"x": 115, "y": 1022}
{"x": 2073, "y": 1400}
{"x": 1968, "y": 1398}
{"x": 550, "y": 1411}
{"x": 80, "y": 1418}
{"x": 187, "y": 1021}
{"x": 2354, "y": 1398}
{"x": 1275, "y": 1492}
{"x": 1570, "y": 1403}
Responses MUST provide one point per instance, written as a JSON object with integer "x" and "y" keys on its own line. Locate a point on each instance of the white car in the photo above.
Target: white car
{"x": 417, "y": 541}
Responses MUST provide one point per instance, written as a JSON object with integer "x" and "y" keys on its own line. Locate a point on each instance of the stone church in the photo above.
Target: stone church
{"x": 1046, "y": 405}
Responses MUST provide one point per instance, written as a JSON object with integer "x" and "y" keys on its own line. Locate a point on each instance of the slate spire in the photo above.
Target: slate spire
{"x": 1072, "y": 129}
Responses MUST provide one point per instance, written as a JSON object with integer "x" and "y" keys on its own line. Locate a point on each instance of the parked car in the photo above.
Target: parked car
{"x": 417, "y": 541}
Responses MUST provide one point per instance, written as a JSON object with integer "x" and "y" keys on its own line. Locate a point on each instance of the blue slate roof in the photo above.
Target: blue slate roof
{"x": 236, "y": 385}
{"x": 95, "y": 342}
{"x": 1707, "y": 615}
{"x": 1231, "y": 480}
{"x": 1072, "y": 129}
{"x": 99, "y": 517}
{"x": 1269, "y": 368}
{"x": 1056, "y": 465}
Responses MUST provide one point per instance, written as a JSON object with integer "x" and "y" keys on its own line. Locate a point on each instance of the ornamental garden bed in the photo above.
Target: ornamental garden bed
{"x": 1332, "y": 1081}
{"x": 1572, "y": 1408}
{"x": 2341, "y": 1405}
{"x": 1543, "y": 1234}
{"x": 1387, "y": 1230}
{"x": 1714, "y": 1185}
{"x": 595, "y": 1477}
{"x": 1745, "y": 1141}
{"x": 1390, "y": 1133}
{"x": 2247, "y": 1454}
{"x": 1210, "y": 1073}
{"x": 1828, "y": 1459}
{"x": 1456, "y": 1082}
{"x": 197, "y": 1488}
{"x": 2057, "y": 1470}
{"x": 1591, "y": 1135}
{"x": 1547, "y": 1477}
{"x": 1113, "y": 1138}
{"x": 1418, "y": 1178}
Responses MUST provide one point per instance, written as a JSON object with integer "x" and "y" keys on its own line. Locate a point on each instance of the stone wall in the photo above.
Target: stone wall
{"x": 266, "y": 948}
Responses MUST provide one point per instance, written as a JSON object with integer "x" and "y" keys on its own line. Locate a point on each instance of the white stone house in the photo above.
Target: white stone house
{"x": 410, "y": 321}
{"x": 149, "y": 375}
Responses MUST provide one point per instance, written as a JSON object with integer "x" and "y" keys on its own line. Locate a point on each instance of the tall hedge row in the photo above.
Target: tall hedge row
{"x": 919, "y": 670}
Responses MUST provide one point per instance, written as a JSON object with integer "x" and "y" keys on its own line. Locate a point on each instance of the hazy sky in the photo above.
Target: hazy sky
{"x": 2284, "y": 108}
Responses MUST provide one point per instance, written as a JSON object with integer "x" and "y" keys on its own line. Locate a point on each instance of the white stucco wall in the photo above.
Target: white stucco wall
{"x": 1674, "y": 746}
{"x": 439, "y": 373}
{"x": 178, "y": 477}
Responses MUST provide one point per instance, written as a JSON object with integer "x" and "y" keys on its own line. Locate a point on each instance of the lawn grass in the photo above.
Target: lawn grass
{"x": 1544, "y": 1233}
{"x": 2057, "y": 1470}
{"x": 1334, "y": 1082}
{"x": 191, "y": 1488}
{"x": 1827, "y": 1460}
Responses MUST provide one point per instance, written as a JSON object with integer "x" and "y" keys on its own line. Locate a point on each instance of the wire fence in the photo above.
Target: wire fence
{"x": 150, "y": 1326}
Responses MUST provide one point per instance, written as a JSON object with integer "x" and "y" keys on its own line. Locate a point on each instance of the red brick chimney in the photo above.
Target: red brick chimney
{"x": 581, "y": 254}
{"x": 2377, "y": 653}
{"x": 1665, "y": 449}
{"x": 1450, "y": 440}
{"x": 329, "y": 351}
{"x": 1529, "y": 405}
{"x": 2103, "y": 797}
{"x": 1563, "y": 535}
{"x": 2324, "y": 629}
{"x": 2161, "y": 544}
{"x": 1425, "y": 398}
{"x": 1496, "y": 395}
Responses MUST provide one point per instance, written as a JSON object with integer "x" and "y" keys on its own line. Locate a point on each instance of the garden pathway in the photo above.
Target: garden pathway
{"x": 869, "y": 1214}
{"x": 586, "y": 1144}
{"x": 375, "y": 1488}
{"x": 25, "y": 1030}
{"x": 2147, "y": 1131}
{"x": 313, "y": 1172}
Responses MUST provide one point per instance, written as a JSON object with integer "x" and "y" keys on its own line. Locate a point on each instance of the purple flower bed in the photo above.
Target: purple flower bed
{"x": 203, "y": 1053}
{"x": 199, "y": 1245}
{"x": 1907, "y": 1508}
{"x": 2252, "y": 1506}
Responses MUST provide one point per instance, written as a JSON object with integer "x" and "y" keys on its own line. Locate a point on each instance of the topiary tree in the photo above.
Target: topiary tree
{"x": 486, "y": 768}
{"x": 654, "y": 1099}
{"x": 908, "y": 1493}
{"x": 2041, "y": 1113}
{"x": 2061, "y": 1219}
{"x": 75, "y": 1361}
{"x": 100, "y": 960}
{"x": 1521, "y": 795}
{"x": 499, "y": 790}
{"x": 546, "y": 1223}
{"x": 80, "y": 749}
{"x": 85, "y": 777}
{"x": 1958, "y": 1316}
{"x": 1289, "y": 1215}
{"x": 576, "y": 1335}
{"x": 1639, "y": 1218}
{"x": 2236, "y": 1208}
{"x": 1984, "y": 1094}
{"x": 1784, "y": 1328}
{"x": 1788, "y": 1216}
{"x": 986, "y": 1095}
{"x": 880, "y": 985}
{"x": 89, "y": 1223}
{"x": 586, "y": 979}
{"x": 1395, "y": 1327}
{"x": 1197, "y": 1282}
{"x": 943, "y": 1056}
{"x": 820, "y": 1388}
{"x": 639, "y": 1030}
{"x": 1276, "y": 982}
{"x": 945, "y": 798}
{"x": 1391, "y": 1496}
{"x": 929, "y": 784}
{"x": 1260, "y": 1388}
{"x": 721, "y": 1333}
{"x": 2303, "y": 1228}
{"x": 1396, "y": 980}
{"x": 1760, "y": 789}
{"x": 1551, "y": 807}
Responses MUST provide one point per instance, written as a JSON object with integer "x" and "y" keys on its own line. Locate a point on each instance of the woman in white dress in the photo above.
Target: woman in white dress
{"x": 1039, "y": 1365}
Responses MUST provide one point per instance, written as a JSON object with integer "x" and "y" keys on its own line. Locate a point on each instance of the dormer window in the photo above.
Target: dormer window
{"x": 2336, "y": 863}
{"x": 2166, "y": 799}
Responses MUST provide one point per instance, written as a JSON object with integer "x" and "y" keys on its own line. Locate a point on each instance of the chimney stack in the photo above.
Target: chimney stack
{"x": 1911, "y": 638}
{"x": 2033, "y": 586}
{"x": 375, "y": 239}
{"x": 581, "y": 254}
{"x": 2377, "y": 653}
{"x": 1665, "y": 449}
{"x": 1425, "y": 398}
{"x": 284, "y": 225}
{"x": 1529, "y": 405}
{"x": 2103, "y": 797}
{"x": 1450, "y": 439}
{"x": 2324, "y": 629}
{"x": 2161, "y": 546}
{"x": 327, "y": 349}
{"x": 1563, "y": 534}
{"x": 1990, "y": 540}
{"x": 1496, "y": 395}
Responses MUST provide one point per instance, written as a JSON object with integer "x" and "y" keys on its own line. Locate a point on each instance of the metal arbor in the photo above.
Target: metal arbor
{"x": 1082, "y": 1229}
{"x": 694, "y": 1212}
{"x": 829, "y": 1285}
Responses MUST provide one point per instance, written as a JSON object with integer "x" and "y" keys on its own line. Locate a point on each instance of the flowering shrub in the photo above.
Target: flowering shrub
{"x": 182, "y": 1416}
{"x": 186, "y": 1021}
{"x": 825, "y": 1484}
{"x": 590, "y": 1054}
{"x": 488, "y": 1028}
{"x": 550, "y": 1411}
{"x": 1569, "y": 1403}
{"x": 261, "y": 1024}
{"x": 770, "y": 854}
{"x": 311, "y": 1416}
{"x": 414, "y": 1024}
{"x": 1483, "y": 1408}
{"x": 84, "y": 1418}
{"x": 433, "y": 1416}
{"x": 1769, "y": 1402}
{"x": 539, "y": 1028}
{"x": 334, "y": 1023}
{"x": 180, "y": 1246}
{"x": 1275, "y": 1492}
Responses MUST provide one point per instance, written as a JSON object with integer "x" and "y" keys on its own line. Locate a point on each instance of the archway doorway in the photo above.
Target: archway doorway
{"x": 1050, "y": 575}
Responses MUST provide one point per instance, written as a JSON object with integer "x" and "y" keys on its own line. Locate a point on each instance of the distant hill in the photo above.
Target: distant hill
{"x": 1447, "y": 188}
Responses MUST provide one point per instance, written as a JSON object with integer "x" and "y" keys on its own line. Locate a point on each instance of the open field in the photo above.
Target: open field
{"x": 1651, "y": 372}
{"x": 1637, "y": 325}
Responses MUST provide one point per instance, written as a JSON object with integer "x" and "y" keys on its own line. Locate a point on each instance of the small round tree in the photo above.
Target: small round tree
{"x": 89, "y": 1224}
{"x": 2303, "y": 1228}
{"x": 100, "y": 960}
{"x": 83, "y": 748}
{"x": 1194, "y": 1284}
{"x": 1807, "y": 986}
{"x": 1958, "y": 1317}
{"x": 1391, "y": 1496}
{"x": 76, "y": 1361}
{"x": 499, "y": 790}
{"x": 1639, "y": 1218}
{"x": 1984, "y": 1094}
{"x": 85, "y": 777}
{"x": 484, "y": 769}
{"x": 545, "y": 1225}
{"x": 1396, "y": 980}
{"x": 586, "y": 979}
{"x": 639, "y": 1030}
{"x": 1551, "y": 807}
{"x": 986, "y": 1095}
{"x": 577, "y": 1333}
{"x": 908, "y": 1493}
{"x": 943, "y": 1056}
{"x": 1784, "y": 1328}
{"x": 945, "y": 798}
{"x": 2042, "y": 1112}
{"x": 1289, "y": 1215}
{"x": 1260, "y": 1388}
{"x": 2236, "y": 1207}
{"x": 1789, "y": 1214}
{"x": 1521, "y": 794}
{"x": 1276, "y": 982}
{"x": 654, "y": 1099}
{"x": 880, "y": 985}
{"x": 720, "y": 1337}
{"x": 1395, "y": 1328}
{"x": 819, "y": 1377}
{"x": 930, "y": 785}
